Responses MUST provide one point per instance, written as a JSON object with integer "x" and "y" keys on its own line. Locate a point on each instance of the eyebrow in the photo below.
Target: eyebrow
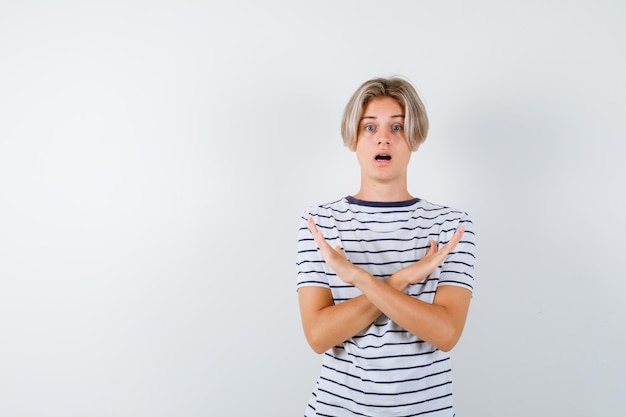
{"x": 373, "y": 117}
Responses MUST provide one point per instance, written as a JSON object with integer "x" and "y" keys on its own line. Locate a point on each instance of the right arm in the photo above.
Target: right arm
{"x": 327, "y": 324}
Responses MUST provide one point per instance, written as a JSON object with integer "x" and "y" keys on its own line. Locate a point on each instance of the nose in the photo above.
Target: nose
{"x": 383, "y": 139}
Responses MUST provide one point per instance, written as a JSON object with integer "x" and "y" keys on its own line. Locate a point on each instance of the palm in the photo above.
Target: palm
{"x": 433, "y": 258}
{"x": 333, "y": 257}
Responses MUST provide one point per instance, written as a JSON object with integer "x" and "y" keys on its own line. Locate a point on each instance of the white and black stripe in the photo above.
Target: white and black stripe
{"x": 384, "y": 370}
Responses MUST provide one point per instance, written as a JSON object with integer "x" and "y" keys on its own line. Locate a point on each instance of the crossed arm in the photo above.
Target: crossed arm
{"x": 326, "y": 324}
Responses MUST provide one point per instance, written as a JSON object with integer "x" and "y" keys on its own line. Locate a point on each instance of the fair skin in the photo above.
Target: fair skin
{"x": 381, "y": 133}
{"x": 383, "y": 154}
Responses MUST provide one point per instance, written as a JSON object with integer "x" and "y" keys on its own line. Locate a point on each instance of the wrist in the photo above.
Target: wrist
{"x": 360, "y": 277}
{"x": 399, "y": 280}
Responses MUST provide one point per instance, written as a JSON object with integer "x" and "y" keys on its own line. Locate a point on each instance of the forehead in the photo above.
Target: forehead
{"x": 383, "y": 106}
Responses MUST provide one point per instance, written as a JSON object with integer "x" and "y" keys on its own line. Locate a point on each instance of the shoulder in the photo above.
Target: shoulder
{"x": 447, "y": 218}
{"x": 330, "y": 209}
{"x": 443, "y": 211}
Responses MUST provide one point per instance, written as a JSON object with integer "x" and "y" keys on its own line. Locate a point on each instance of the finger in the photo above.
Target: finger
{"x": 433, "y": 248}
{"x": 317, "y": 236}
{"x": 456, "y": 238}
{"x": 312, "y": 226}
{"x": 314, "y": 229}
{"x": 449, "y": 247}
{"x": 339, "y": 251}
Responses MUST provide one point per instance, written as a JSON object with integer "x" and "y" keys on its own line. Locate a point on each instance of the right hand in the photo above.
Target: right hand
{"x": 334, "y": 257}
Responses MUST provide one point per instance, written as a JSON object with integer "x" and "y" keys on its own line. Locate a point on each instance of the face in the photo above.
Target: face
{"x": 382, "y": 150}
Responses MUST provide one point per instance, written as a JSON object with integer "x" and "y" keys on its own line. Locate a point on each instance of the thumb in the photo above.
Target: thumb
{"x": 339, "y": 251}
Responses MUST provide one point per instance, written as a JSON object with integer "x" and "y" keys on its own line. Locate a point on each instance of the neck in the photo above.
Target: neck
{"x": 383, "y": 192}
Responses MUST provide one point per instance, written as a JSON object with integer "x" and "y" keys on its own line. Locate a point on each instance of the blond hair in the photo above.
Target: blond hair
{"x": 401, "y": 90}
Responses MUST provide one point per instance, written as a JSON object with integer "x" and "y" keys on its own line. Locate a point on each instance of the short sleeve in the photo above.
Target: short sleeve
{"x": 310, "y": 265}
{"x": 458, "y": 268}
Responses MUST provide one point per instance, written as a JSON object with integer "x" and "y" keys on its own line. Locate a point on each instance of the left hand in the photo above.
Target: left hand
{"x": 434, "y": 257}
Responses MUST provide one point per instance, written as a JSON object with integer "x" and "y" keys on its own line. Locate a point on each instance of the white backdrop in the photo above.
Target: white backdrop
{"x": 155, "y": 158}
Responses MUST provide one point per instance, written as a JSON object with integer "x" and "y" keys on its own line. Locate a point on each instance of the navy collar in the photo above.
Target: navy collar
{"x": 405, "y": 203}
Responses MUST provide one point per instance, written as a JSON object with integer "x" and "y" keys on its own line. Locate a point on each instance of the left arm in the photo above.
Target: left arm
{"x": 440, "y": 323}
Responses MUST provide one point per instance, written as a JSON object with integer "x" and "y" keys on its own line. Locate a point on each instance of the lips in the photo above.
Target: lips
{"x": 383, "y": 157}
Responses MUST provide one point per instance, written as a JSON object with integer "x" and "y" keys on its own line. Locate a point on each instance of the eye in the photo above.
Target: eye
{"x": 396, "y": 128}
{"x": 369, "y": 128}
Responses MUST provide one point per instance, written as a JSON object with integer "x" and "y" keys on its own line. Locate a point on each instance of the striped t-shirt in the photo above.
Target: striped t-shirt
{"x": 384, "y": 370}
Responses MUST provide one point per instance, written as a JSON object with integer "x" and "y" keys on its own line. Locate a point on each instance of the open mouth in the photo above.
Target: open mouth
{"x": 383, "y": 157}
